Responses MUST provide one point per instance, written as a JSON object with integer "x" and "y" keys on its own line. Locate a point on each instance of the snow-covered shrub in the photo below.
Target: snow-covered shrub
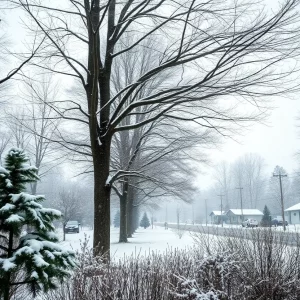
{"x": 213, "y": 279}
{"x": 136, "y": 277}
{"x": 190, "y": 290}
{"x": 268, "y": 268}
{"x": 32, "y": 258}
{"x": 180, "y": 230}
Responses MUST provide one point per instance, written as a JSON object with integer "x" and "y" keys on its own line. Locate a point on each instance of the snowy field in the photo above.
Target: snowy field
{"x": 147, "y": 240}
{"x": 143, "y": 241}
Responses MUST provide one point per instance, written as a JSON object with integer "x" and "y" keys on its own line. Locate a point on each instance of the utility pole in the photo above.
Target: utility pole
{"x": 221, "y": 196}
{"x": 281, "y": 196}
{"x": 241, "y": 197}
{"x": 205, "y": 211}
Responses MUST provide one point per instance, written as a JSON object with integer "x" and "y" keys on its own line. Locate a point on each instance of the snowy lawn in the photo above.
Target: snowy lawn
{"x": 142, "y": 242}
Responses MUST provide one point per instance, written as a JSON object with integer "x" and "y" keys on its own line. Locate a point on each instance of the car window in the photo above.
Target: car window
{"x": 72, "y": 223}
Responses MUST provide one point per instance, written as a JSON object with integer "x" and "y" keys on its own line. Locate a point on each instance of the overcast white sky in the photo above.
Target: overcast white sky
{"x": 277, "y": 142}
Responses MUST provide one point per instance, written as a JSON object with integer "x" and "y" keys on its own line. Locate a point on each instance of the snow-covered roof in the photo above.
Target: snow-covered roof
{"x": 216, "y": 212}
{"x": 294, "y": 207}
{"x": 247, "y": 212}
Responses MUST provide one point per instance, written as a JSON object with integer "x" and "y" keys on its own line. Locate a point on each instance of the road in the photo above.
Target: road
{"x": 289, "y": 238}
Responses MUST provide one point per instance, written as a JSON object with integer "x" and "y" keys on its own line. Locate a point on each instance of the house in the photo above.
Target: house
{"x": 236, "y": 216}
{"x": 293, "y": 214}
{"x": 215, "y": 216}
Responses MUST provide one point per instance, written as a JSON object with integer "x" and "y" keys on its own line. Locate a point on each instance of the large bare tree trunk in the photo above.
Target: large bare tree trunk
{"x": 129, "y": 212}
{"x": 123, "y": 220}
{"x": 99, "y": 83}
{"x": 102, "y": 199}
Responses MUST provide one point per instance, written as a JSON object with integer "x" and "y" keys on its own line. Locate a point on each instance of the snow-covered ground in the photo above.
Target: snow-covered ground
{"x": 147, "y": 240}
{"x": 143, "y": 241}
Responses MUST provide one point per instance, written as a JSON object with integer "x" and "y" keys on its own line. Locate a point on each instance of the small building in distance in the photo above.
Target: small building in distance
{"x": 236, "y": 216}
{"x": 216, "y": 217}
{"x": 293, "y": 214}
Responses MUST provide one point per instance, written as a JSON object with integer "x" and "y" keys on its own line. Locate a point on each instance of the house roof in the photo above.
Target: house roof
{"x": 247, "y": 212}
{"x": 294, "y": 207}
{"x": 216, "y": 212}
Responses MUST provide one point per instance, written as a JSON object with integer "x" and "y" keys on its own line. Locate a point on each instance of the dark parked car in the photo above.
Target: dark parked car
{"x": 72, "y": 226}
{"x": 278, "y": 222}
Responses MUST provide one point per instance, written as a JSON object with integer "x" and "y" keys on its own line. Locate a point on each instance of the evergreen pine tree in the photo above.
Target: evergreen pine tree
{"x": 117, "y": 219}
{"x": 266, "y": 219}
{"x": 145, "y": 221}
{"x": 33, "y": 257}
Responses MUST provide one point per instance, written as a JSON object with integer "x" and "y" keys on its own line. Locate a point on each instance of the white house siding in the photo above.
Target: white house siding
{"x": 294, "y": 217}
{"x": 233, "y": 219}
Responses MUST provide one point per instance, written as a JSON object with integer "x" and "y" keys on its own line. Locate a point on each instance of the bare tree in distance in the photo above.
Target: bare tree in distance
{"x": 254, "y": 178}
{"x": 156, "y": 166}
{"x": 223, "y": 179}
{"x": 235, "y": 52}
{"x": 19, "y": 136}
{"x": 295, "y": 189}
{"x": 69, "y": 204}
{"x": 4, "y": 141}
{"x": 34, "y": 127}
{"x": 247, "y": 172}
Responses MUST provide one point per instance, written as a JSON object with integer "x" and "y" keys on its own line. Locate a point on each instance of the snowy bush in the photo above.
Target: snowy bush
{"x": 190, "y": 290}
{"x": 267, "y": 267}
{"x": 180, "y": 230}
{"x": 32, "y": 258}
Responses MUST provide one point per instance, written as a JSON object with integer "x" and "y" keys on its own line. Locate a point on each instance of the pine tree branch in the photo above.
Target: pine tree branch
{"x": 3, "y": 248}
{"x": 21, "y": 282}
{"x": 3, "y": 237}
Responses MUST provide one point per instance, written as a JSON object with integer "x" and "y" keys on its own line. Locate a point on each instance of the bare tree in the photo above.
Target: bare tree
{"x": 34, "y": 127}
{"x": 295, "y": 189}
{"x": 223, "y": 179}
{"x": 156, "y": 166}
{"x": 20, "y": 137}
{"x": 4, "y": 140}
{"x": 6, "y": 55}
{"x": 233, "y": 52}
{"x": 254, "y": 178}
{"x": 248, "y": 175}
{"x": 69, "y": 204}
